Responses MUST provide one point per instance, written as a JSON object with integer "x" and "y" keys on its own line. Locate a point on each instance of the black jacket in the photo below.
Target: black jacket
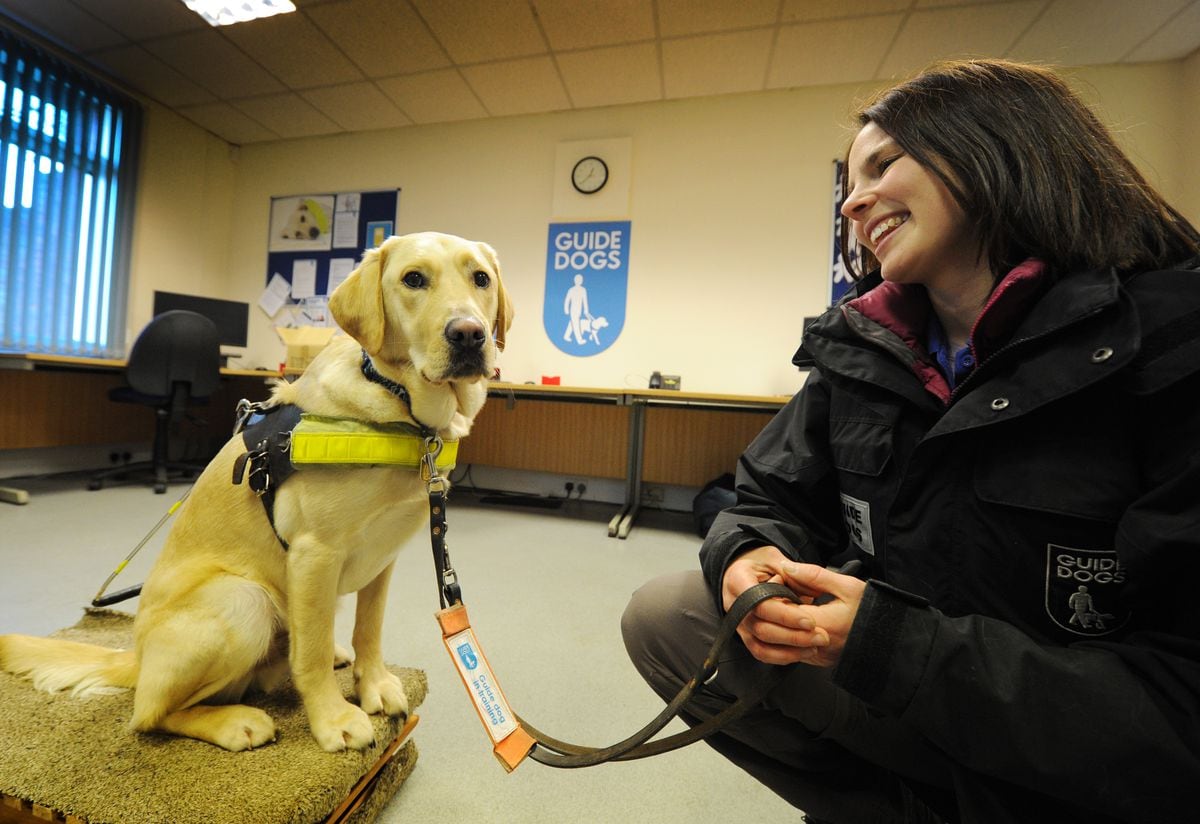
{"x": 1033, "y": 541}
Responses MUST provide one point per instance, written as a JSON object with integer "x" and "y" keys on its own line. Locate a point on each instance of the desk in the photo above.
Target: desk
{"x": 57, "y": 400}
{"x": 639, "y": 435}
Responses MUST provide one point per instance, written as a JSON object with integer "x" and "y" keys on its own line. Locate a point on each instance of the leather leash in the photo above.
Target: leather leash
{"x": 513, "y": 737}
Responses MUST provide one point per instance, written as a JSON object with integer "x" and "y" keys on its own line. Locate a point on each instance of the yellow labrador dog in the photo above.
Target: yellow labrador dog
{"x": 227, "y": 606}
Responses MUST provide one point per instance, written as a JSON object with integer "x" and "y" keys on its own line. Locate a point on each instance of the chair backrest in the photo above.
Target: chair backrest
{"x": 176, "y": 347}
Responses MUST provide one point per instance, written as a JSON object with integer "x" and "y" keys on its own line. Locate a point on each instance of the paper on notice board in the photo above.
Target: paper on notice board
{"x": 339, "y": 270}
{"x": 304, "y": 278}
{"x": 345, "y": 221}
{"x": 275, "y": 295}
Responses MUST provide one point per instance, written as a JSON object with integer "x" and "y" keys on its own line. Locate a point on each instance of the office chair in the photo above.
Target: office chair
{"x": 175, "y": 360}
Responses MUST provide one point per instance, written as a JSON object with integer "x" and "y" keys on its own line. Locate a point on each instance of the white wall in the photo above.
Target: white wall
{"x": 730, "y": 211}
{"x": 183, "y": 215}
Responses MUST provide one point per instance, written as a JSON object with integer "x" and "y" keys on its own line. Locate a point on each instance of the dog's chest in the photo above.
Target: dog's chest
{"x": 384, "y": 532}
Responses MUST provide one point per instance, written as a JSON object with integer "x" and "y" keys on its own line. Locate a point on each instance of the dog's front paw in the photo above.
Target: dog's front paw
{"x": 383, "y": 693}
{"x": 244, "y": 728}
{"x": 346, "y": 728}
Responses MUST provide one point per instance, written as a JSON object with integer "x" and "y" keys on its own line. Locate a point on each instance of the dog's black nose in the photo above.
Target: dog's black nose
{"x": 465, "y": 333}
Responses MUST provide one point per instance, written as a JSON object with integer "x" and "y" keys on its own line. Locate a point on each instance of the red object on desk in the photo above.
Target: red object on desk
{"x": 551, "y": 380}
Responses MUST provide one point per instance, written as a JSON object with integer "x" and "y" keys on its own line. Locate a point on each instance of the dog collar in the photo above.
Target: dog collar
{"x": 372, "y": 374}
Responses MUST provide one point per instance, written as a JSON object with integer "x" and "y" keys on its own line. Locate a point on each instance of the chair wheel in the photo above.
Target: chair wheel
{"x": 94, "y": 485}
{"x": 159, "y": 489}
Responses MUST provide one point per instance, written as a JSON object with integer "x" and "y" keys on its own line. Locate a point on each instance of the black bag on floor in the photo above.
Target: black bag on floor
{"x": 715, "y": 495}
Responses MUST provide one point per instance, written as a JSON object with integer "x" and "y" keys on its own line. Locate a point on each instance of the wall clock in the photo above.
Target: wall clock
{"x": 589, "y": 175}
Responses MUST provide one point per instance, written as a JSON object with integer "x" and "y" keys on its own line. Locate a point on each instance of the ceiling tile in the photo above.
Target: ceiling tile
{"x": 140, "y": 70}
{"x": 1086, "y": 32}
{"x": 215, "y": 63}
{"x": 518, "y": 86}
{"x": 957, "y": 32}
{"x": 1175, "y": 39}
{"x": 142, "y": 19}
{"x": 288, "y": 115}
{"x": 64, "y": 23}
{"x": 582, "y": 24}
{"x": 716, "y": 63}
{"x": 228, "y": 123}
{"x": 833, "y": 51}
{"x": 800, "y": 11}
{"x": 933, "y": 4}
{"x": 681, "y": 17}
{"x": 290, "y": 47}
{"x": 433, "y": 97}
{"x": 445, "y": 60}
{"x": 369, "y": 31}
{"x": 356, "y": 107}
{"x": 613, "y": 75}
{"x": 475, "y": 31}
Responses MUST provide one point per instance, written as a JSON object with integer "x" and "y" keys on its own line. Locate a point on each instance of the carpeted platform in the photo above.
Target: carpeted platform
{"x": 77, "y": 758}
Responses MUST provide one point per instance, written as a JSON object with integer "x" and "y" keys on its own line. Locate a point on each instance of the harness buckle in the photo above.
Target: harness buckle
{"x": 245, "y": 410}
{"x": 429, "y": 470}
{"x": 260, "y": 474}
{"x": 450, "y": 586}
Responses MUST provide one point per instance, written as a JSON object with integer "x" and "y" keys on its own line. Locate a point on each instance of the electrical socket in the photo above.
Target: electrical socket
{"x": 581, "y": 488}
{"x": 652, "y": 495}
{"x": 569, "y": 487}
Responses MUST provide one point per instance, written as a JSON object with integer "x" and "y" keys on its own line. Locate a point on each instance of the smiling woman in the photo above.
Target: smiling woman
{"x": 995, "y": 428}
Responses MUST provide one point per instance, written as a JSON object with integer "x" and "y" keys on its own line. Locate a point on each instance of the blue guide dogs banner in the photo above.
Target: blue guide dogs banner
{"x": 587, "y": 281}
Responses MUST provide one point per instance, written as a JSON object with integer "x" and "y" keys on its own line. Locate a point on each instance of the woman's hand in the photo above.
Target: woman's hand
{"x": 779, "y": 631}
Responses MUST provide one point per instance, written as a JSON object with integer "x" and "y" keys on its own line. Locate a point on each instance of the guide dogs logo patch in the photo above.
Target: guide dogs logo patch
{"x": 1082, "y": 589}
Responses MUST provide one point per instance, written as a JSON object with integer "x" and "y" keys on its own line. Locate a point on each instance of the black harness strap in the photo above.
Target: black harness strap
{"x": 268, "y": 444}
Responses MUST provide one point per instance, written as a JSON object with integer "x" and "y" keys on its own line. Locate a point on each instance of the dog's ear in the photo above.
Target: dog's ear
{"x": 504, "y": 307}
{"x": 357, "y": 304}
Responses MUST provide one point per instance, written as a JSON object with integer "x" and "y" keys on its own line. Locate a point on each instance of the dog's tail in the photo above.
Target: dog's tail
{"x": 54, "y": 665}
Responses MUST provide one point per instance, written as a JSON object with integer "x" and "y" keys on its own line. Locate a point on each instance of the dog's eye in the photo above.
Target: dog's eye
{"x": 415, "y": 280}
{"x": 482, "y": 279}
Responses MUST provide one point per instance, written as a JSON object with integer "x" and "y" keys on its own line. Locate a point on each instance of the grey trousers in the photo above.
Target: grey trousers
{"x": 812, "y": 743}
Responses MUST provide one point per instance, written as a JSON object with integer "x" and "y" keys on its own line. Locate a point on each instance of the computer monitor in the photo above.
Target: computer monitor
{"x": 231, "y": 317}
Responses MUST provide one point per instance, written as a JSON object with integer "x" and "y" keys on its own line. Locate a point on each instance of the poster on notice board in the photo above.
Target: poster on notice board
{"x": 316, "y": 240}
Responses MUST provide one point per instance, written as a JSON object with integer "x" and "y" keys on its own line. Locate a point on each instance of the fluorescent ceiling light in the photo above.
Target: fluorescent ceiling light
{"x": 227, "y": 12}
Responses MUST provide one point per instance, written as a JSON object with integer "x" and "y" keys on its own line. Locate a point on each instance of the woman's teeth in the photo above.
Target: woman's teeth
{"x": 885, "y": 226}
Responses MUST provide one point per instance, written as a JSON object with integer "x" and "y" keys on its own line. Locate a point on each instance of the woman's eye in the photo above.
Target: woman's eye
{"x": 482, "y": 279}
{"x": 886, "y": 162}
{"x": 415, "y": 280}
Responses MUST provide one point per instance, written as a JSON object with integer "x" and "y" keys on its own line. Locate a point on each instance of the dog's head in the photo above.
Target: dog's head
{"x": 433, "y": 300}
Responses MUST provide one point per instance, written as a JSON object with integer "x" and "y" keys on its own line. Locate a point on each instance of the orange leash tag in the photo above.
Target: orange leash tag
{"x": 511, "y": 742}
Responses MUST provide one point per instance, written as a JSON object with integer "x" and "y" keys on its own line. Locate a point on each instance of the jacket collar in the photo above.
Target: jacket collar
{"x": 1024, "y": 307}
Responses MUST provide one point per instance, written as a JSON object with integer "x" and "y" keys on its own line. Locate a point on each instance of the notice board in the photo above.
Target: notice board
{"x": 316, "y": 240}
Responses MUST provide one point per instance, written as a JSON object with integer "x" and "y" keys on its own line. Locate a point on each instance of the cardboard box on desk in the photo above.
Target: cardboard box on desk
{"x": 303, "y": 343}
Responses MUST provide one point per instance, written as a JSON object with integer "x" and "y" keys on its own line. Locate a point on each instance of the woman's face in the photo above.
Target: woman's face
{"x": 906, "y": 216}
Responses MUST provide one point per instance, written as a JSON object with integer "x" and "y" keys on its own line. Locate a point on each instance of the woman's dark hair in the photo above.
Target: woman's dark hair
{"x": 1032, "y": 167}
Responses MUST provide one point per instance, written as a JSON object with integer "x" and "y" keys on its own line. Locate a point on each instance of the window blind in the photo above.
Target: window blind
{"x": 68, "y": 147}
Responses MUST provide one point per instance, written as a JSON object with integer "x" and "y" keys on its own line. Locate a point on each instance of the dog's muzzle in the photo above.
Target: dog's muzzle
{"x": 467, "y": 338}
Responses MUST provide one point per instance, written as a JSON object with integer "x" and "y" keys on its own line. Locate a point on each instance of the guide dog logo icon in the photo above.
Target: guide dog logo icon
{"x": 587, "y": 285}
{"x": 467, "y": 654}
{"x": 1083, "y": 588}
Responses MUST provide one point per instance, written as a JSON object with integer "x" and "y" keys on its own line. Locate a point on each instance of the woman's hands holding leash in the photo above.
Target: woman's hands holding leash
{"x": 779, "y": 631}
